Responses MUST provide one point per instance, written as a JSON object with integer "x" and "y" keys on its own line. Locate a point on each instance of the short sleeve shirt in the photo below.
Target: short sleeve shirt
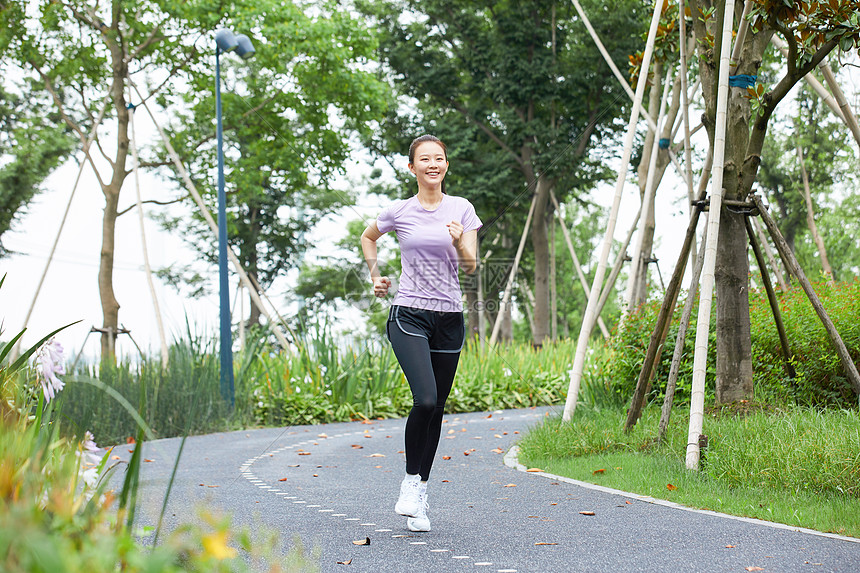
{"x": 429, "y": 262}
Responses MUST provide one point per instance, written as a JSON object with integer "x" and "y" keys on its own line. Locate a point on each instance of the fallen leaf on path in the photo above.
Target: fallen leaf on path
{"x": 146, "y": 460}
{"x": 131, "y": 451}
{"x": 377, "y": 455}
{"x": 510, "y": 485}
{"x": 463, "y": 429}
{"x": 114, "y": 457}
{"x": 347, "y": 562}
{"x": 294, "y": 466}
{"x": 545, "y": 543}
{"x": 586, "y": 513}
{"x": 283, "y": 479}
{"x": 730, "y": 546}
{"x": 357, "y": 447}
{"x": 446, "y": 481}
{"x": 451, "y": 431}
{"x": 446, "y": 457}
{"x": 377, "y": 467}
{"x": 534, "y": 470}
{"x": 517, "y": 432}
{"x": 489, "y": 416}
{"x": 322, "y": 435}
{"x": 368, "y": 436}
{"x": 628, "y": 502}
{"x": 496, "y": 436}
{"x": 498, "y": 450}
{"x": 465, "y": 453}
{"x": 600, "y": 471}
{"x": 316, "y": 475}
{"x": 365, "y": 541}
{"x": 753, "y": 568}
{"x": 671, "y": 487}
{"x": 304, "y": 453}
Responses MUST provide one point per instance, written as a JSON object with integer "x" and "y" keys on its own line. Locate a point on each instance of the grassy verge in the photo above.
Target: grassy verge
{"x": 799, "y": 467}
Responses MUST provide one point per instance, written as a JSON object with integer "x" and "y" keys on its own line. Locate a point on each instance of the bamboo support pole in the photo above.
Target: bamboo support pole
{"x": 743, "y": 28}
{"x": 796, "y": 270}
{"x": 608, "y": 59}
{"x": 697, "y": 394}
{"x": 619, "y": 262}
{"x": 553, "y": 279}
{"x": 813, "y": 82}
{"x": 589, "y": 317}
{"x": 684, "y": 323}
{"x": 771, "y": 299}
{"x": 506, "y": 296}
{"x": 86, "y": 148}
{"x": 685, "y": 112}
{"x": 576, "y": 264}
{"x": 661, "y": 328}
{"x": 204, "y": 211}
{"x": 162, "y": 338}
{"x": 637, "y": 264}
{"x": 847, "y": 112}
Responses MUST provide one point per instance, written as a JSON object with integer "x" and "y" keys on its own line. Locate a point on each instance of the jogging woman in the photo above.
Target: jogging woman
{"x": 437, "y": 234}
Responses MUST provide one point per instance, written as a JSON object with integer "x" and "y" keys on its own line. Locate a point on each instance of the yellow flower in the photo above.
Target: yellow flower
{"x": 215, "y": 545}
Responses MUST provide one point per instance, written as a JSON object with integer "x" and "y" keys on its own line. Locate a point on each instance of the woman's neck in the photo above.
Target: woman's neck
{"x": 430, "y": 197}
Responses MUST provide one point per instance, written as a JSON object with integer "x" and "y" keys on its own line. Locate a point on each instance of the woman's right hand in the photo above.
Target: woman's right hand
{"x": 381, "y": 286}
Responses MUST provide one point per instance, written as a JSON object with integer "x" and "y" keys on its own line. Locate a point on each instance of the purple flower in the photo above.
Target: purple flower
{"x": 50, "y": 364}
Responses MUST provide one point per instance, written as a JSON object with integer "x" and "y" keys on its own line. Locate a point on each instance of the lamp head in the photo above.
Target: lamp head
{"x": 225, "y": 40}
{"x": 244, "y": 48}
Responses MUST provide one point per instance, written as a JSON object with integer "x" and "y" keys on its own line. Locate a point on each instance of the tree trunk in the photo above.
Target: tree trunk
{"x": 111, "y": 190}
{"x": 810, "y": 219}
{"x": 540, "y": 244}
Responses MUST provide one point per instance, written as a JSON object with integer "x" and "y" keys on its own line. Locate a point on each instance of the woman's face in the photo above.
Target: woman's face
{"x": 430, "y": 164}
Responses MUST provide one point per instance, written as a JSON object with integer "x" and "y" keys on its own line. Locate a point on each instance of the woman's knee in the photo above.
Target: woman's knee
{"x": 425, "y": 404}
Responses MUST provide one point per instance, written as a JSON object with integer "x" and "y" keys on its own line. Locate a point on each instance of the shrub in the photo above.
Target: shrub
{"x": 820, "y": 377}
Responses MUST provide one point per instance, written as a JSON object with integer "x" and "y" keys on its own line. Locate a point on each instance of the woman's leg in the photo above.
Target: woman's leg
{"x": 444, "y": 369}
{"x": 413, "y": 354}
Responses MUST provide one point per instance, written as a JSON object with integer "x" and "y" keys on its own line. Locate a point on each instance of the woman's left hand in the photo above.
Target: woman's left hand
{"x": 455, "y": 229}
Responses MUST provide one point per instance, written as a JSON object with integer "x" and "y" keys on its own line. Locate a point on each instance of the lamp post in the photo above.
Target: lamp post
{"x": 225, "y": 41}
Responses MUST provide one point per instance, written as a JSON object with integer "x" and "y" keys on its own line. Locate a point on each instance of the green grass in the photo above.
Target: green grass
{"x": 799, "y": 467}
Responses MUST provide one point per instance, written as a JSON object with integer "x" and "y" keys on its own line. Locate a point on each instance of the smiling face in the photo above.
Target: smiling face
{"x": 430, "y": 164}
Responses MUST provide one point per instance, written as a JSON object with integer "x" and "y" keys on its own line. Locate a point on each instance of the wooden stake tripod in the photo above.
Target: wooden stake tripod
{"x": 658, "y": 336}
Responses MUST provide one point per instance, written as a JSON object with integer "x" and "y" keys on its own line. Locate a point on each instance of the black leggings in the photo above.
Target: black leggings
{"x": 430, "y": 376}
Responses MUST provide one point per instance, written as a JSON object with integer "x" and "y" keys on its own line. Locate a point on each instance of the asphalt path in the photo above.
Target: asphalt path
{"x": 330, "y": 485}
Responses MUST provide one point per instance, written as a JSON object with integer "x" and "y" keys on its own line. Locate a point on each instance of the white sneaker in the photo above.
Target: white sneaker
{"x": 420, "y": 522}
{"x": 409, "y": 502}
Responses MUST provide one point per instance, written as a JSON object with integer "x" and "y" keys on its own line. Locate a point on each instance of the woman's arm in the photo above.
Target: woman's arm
{"x": 466, "y": 244}
{"x": 368, "y": 247}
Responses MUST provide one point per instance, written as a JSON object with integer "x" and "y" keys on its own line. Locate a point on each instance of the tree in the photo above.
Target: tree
{"x": 31, "y": 146}
{"x": 83, "y": 53}
{"x": 812, "y": 30}
{"x": 828, "y": 161}
{"x": 287, "y": 127}
{"x": 524, "y": 78}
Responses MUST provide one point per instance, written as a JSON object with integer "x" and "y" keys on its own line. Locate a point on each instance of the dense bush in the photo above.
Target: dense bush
{"x": 820, "y": 378}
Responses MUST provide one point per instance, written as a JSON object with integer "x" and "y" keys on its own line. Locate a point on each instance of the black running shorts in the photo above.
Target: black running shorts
{"x": 444, "y": 331}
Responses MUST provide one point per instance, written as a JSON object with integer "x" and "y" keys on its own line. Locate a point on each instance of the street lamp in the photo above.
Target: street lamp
{"x": 225, "y": 41}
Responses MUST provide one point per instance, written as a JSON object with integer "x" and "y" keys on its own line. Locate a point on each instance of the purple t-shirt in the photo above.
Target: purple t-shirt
{"x": 428, "y": 279}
